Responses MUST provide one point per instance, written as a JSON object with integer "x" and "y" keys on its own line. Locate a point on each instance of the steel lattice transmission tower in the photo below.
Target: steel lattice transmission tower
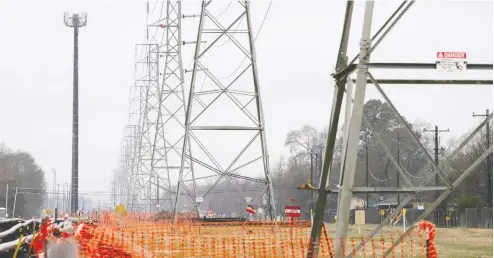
{"x": 145, "y": 175}
{"x": 224, "y": 120}
{"x": 75, "y": 21}
{"x": 353, "y": 118}
{"x": 159, "y": 131}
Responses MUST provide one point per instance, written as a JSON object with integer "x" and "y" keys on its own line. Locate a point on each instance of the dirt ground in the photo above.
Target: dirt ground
{"x": 450, "y": 242}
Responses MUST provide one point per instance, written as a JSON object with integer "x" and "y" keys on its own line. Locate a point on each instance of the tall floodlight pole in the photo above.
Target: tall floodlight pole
{"x": 75, "y": 21}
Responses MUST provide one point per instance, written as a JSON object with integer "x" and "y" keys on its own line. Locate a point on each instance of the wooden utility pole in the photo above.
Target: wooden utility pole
{"x": 440, "y": 208}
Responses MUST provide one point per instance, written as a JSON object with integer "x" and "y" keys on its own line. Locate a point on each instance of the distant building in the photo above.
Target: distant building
{"x": 392, "y": 202}
{"x": 357, "y": 203}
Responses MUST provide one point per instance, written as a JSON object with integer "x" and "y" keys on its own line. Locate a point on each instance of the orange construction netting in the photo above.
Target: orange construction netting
{"x": 145, "y": 238}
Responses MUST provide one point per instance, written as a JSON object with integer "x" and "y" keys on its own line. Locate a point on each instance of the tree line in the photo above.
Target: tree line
{"x": 374, "y": 166}
{"x": 18, "y": 169}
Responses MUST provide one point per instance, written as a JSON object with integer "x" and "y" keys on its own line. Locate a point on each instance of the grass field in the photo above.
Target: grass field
{"x": 450, "y": 242}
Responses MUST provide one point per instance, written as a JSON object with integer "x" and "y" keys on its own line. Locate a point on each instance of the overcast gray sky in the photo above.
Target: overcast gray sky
{"x": 296, "y": 52}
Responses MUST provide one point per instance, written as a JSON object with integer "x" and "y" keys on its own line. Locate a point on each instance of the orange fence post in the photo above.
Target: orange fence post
{"x": 353, "y": 246}
{"x": 392, "y": 247}
{"x": 402, "y": 245}
{"x": 343, "y": 246}
{"x": 373, "y": 245}
{"x": 363, "y": 246}
{"x": 383, "y": 246}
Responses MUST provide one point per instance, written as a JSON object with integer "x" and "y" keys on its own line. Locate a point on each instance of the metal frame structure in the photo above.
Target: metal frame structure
{"x": 152, "y": 156}
{"x": 148, "y": 126}
{"x": 173, "y": 101}
{"x": 209, "y": 162}
{"x": 353, "y": 121}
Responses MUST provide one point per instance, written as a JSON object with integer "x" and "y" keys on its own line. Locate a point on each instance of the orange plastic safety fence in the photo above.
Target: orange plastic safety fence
{"x": 141, "y": 238}
{"x": 430, "y": 230}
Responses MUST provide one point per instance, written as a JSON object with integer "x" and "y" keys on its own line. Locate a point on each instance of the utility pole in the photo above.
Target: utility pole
{"x": 436, "y": 160}
{"x": 488, "y": 166}
{"x": 75, "y": 21}
{"x": 54, "y": 186}
{"x": 311, "y": 175}
{"x": 63, "y": 197}
{"x": 58, "y": 190}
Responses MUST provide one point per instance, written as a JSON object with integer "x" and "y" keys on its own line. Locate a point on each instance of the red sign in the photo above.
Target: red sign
{"x": 251, "y": 209}
{"x": 292, "y": 211}
{"x": 459, "y": 55}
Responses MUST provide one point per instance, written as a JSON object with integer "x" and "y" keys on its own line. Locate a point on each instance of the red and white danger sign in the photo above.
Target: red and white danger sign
{"x": 251, "y": 209}
{"x": 451, "y": 61}
{"x": 461, "y": 55}
{"x": 292, "y": 211}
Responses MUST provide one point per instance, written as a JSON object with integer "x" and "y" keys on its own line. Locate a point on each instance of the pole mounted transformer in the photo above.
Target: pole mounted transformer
{"x": 75, "y": 21}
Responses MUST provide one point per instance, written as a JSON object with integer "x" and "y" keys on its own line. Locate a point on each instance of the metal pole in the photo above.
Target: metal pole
{"x": 63, "y": 197}
{"x": 260, "y": 113}
{"x": 69, "y": 200}
{"x": 75, "y": 120}
{"x": 339, "y": 91}
{"x": 76, "y": 21}
{"x": 188, "y": 110}
{"x": 58, "y": 190}
{"x": 54, "y": 185}
{"x": 352, "y": 134}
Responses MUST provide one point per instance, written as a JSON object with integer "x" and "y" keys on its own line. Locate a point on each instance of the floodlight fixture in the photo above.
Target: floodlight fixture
{"x": 76, "y": 20}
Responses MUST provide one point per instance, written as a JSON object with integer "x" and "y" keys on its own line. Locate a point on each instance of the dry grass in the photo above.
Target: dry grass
{"x": 450, "y": 242}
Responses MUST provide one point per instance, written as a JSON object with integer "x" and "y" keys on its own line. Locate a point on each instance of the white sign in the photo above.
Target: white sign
{"x": 248, "y": 199}
{"x": 451, "y": 61}
{"x": 291, "y": 211}
{"x": 199, "y": 199}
